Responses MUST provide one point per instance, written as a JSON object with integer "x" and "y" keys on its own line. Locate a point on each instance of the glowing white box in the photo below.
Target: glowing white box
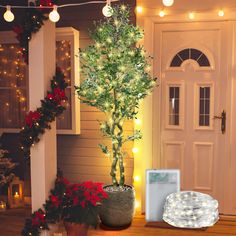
{"x": 159, "y": 184}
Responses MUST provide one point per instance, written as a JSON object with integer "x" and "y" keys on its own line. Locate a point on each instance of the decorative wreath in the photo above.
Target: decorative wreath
{"x": 53, "y": 105}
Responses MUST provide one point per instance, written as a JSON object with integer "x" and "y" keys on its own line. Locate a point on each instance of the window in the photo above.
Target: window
{"x": 13, "y": 86}
{"x": 14, "y": 82}
{"x": 174, "y": 105}
{"x": 190, "y": 53}
{"x": 204, "y": 106}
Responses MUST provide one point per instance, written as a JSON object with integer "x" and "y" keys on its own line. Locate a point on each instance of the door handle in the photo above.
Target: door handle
{"x": 223, "y": 121}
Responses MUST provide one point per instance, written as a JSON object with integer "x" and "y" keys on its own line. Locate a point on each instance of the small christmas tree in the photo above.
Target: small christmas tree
{"x": 117, "y": 77}
{"x": 6, "y": 167}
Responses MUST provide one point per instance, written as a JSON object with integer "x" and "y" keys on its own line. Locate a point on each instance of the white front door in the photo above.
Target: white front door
{"x": 190, "y": 58}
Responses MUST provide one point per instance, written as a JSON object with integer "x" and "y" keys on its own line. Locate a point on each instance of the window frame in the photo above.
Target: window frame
{"x": 70, "y": 34}
{"x": 64, "y": 33}
{"x": 197, "y": 86}
{"x": 181, "y": 86}
{"x": 9, "y": 37}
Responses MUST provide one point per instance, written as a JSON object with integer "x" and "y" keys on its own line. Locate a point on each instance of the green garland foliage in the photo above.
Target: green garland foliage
{"x": 36, "y": 122}
{"x": 32, "y": 21}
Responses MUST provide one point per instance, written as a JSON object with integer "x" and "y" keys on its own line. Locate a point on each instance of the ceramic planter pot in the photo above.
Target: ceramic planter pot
{"x": 74, "y": 229}
{"x": 118, "y": 210}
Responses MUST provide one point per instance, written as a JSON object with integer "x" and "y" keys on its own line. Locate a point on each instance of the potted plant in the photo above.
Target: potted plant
{"x": 80, "y": 207}
{"x": 116, "y": 78}
{"x": 74, "y": 204}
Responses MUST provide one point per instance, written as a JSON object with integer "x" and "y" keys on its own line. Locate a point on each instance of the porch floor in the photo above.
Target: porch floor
{"x": 12, "y": 221}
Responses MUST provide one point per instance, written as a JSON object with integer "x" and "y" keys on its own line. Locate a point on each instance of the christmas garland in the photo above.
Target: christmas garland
{"x": 36, "y": 122}
{"x": 31, "y": 23}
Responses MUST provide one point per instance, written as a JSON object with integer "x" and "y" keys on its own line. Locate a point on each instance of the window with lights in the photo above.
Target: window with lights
{"x": 14, "y": 82}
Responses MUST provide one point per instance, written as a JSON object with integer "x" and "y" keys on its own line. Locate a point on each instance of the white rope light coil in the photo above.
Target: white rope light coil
{"x": 190, "y": 210}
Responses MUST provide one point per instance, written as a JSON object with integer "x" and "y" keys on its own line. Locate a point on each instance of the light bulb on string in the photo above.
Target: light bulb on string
{"x": 107, "y": 10}
{"x": 8, "y": 15}
{"x": 54, "y": 16}
{"x": 168, "y": 3}
{"x": 221, "y": 13}
{"x": 191, "y": 15}
{"x": 162, "y": 13}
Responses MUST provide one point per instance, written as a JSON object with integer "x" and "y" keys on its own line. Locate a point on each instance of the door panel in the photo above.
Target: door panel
{"x": 192, "y": 93}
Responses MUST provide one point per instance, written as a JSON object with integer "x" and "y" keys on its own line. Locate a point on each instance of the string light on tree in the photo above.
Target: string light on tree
{"x": 54, "y": 15}
{"x": 135, "y": 150}
{"x": 139, "y": 9}
{"x": 8, "y": 15}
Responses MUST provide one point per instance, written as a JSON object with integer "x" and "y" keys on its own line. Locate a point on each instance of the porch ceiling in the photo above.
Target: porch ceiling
{"x": 181, "y": 6}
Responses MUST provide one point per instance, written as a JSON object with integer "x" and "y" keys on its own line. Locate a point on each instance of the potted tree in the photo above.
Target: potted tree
{"x": 116, "y": 78}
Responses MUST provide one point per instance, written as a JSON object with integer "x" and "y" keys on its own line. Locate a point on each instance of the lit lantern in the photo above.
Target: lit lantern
{"x": 15, "y": 193}
{"x": 2, "y": 206}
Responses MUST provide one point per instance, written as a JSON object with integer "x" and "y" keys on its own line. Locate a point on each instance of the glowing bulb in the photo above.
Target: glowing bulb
{"x": 168, "y": 3}
{"x": 221, "y": 13}
{"x": 8, "y": 15}
{"x": 134, "y": 149}
{"x": 137, "y": 178}
{"x": 191, "y": 15}
{"x": 54, "y": 16}
{"x": 162, "y": 13}
{"x": 107, "y": 10}
{"x": 137, "y": 121}
{"x": 139, "y": 9}
{"x": 137, "y": 204}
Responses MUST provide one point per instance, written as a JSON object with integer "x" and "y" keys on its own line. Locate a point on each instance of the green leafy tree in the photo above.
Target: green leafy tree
{"x": 116, "y": 78}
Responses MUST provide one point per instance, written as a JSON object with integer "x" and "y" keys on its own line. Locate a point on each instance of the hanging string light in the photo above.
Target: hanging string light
{"x": 54, "y": 15}
{"x": 8, "y": 15}
{"x": 168, "y": 3}
{"x": 107, "y": 10}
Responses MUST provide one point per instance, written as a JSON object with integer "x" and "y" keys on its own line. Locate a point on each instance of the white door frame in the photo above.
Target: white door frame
{"x": 152, "y": 105}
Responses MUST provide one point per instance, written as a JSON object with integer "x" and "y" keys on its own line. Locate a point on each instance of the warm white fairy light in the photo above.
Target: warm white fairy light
{"x": 139, "y": 9}
{"x": 168, "y": 3}
{"x": 54, "y": 15}
{"x": 221, "y": 13}
{"x": 135, "y": 150}
{"x": 137, "y": 121}
{"x": 190, "y": 210}
{"x": 8, "y": 15}
{"x": 191, "y": 15}
{"x": 162, "y": 13}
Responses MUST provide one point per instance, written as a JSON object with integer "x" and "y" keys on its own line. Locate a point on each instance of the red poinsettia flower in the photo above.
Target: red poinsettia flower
{"x": 50, "y": 96}
{"x": 59, "y": 94}
{"x": 46, "y": 3}
{"x": 55, "y": 200}
{"x": 38, "y": 218}
{"x": 33, "y": 116}
{"x": 65, "y": 181}
{"x": 75, "y": 201}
